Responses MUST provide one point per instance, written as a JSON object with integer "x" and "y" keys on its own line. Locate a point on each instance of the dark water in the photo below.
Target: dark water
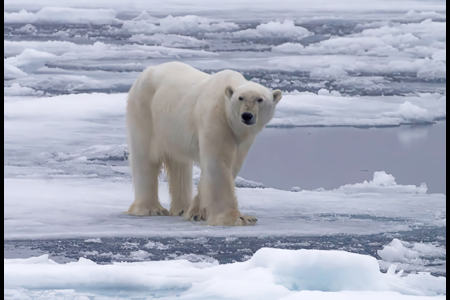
{"x": 328, "y": 157}
{"x": 224, "y": 250}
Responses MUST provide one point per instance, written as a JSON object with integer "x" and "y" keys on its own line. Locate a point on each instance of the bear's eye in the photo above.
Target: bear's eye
{"x": 240, "y": 98}
{"x": 260, "y": 100}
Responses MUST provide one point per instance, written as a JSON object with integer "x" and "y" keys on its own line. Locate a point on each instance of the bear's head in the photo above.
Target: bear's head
{"x": 251, "y": 105}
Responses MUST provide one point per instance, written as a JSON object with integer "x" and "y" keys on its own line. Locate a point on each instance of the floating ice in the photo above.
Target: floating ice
{"x": 27, "y": 28}
{"x": 331, "y": 109}
{"x": 400, "y": 42}
{"x": 17, "y": 90}
{"x": 189, "y": 24}
{"x": 328, "y": 108}
{"x": 285, "y": 29}
{"x": 383, "y": 183}
{"x": 30, "y": 60}
{"x": 63, "y": 15}
{"x": 99, "y": 50}
{"x": 12, "y": 72}
{"x": 412, "y": 14}
{"x": 245, "y": 8}
{"x": 167, "y": 40}
{"x": 440, "y": 55}
{"x": 92, "y": 207}
{"x": 333, "y": 72}
{"x": 411, "y": 256}
{"x": 93, "y": 240}
{"x": 270, "y": 274}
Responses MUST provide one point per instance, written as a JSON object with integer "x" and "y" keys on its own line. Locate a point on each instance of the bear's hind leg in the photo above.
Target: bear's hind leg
{"x": 145, "y": 168}
{"x": 179, "y": 175}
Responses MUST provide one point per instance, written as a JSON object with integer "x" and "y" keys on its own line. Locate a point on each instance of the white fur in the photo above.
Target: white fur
{"x": 177, "y": 115}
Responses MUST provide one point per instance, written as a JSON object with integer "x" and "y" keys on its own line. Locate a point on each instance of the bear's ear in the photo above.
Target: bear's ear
{"x": 276, "y": 96}
{"x": 229, "y": 91}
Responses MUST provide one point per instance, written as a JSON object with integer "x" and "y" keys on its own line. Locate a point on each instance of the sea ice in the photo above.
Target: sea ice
{"x": 63, "y": 15}
{"x": 269, "y": 273}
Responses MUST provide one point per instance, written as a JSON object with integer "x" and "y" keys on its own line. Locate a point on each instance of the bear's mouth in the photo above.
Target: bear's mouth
{"x": 249, "y": 122}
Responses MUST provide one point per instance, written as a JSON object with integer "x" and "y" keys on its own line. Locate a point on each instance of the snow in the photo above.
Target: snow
{"x": 62, "y": 15}
{"x": 39, "y": 206}
{"x": 269, "y": 273}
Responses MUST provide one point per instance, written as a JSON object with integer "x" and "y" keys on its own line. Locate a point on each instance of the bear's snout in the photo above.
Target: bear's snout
{"x": 248, "y": 118}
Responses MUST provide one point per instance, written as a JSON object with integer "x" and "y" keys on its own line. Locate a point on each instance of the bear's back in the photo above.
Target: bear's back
{"x": 177, "y": 73}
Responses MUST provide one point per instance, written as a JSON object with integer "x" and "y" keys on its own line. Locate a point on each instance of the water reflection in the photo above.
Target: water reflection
{"x": 329, "y": 157}
{"x": 409, "y": 135}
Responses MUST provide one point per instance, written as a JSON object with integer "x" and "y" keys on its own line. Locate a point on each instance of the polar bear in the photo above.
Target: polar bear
{"x": 177, "y": 116}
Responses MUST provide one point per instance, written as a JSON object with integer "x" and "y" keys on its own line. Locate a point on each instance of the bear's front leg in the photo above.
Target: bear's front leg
{"x": 218, "y": 197}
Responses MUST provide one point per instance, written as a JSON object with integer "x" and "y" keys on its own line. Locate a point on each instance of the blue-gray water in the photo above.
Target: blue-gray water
{"x": 328, "y": 157}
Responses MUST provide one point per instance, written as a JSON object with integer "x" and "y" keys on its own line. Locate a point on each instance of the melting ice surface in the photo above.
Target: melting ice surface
{"x": 67, "y": 67}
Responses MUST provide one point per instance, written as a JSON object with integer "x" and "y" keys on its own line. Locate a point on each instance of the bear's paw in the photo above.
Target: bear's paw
{"x": 144, "y": 210}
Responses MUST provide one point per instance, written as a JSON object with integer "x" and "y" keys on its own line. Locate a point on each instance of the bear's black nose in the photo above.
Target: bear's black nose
{"x": 247, "y": 116}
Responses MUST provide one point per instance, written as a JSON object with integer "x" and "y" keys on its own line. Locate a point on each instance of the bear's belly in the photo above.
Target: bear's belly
{"x": 176, "y": 139}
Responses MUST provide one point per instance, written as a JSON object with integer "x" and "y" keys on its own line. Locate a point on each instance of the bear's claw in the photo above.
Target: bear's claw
{"x": 198, "y": 217}
{"x": 245, "y": 221}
